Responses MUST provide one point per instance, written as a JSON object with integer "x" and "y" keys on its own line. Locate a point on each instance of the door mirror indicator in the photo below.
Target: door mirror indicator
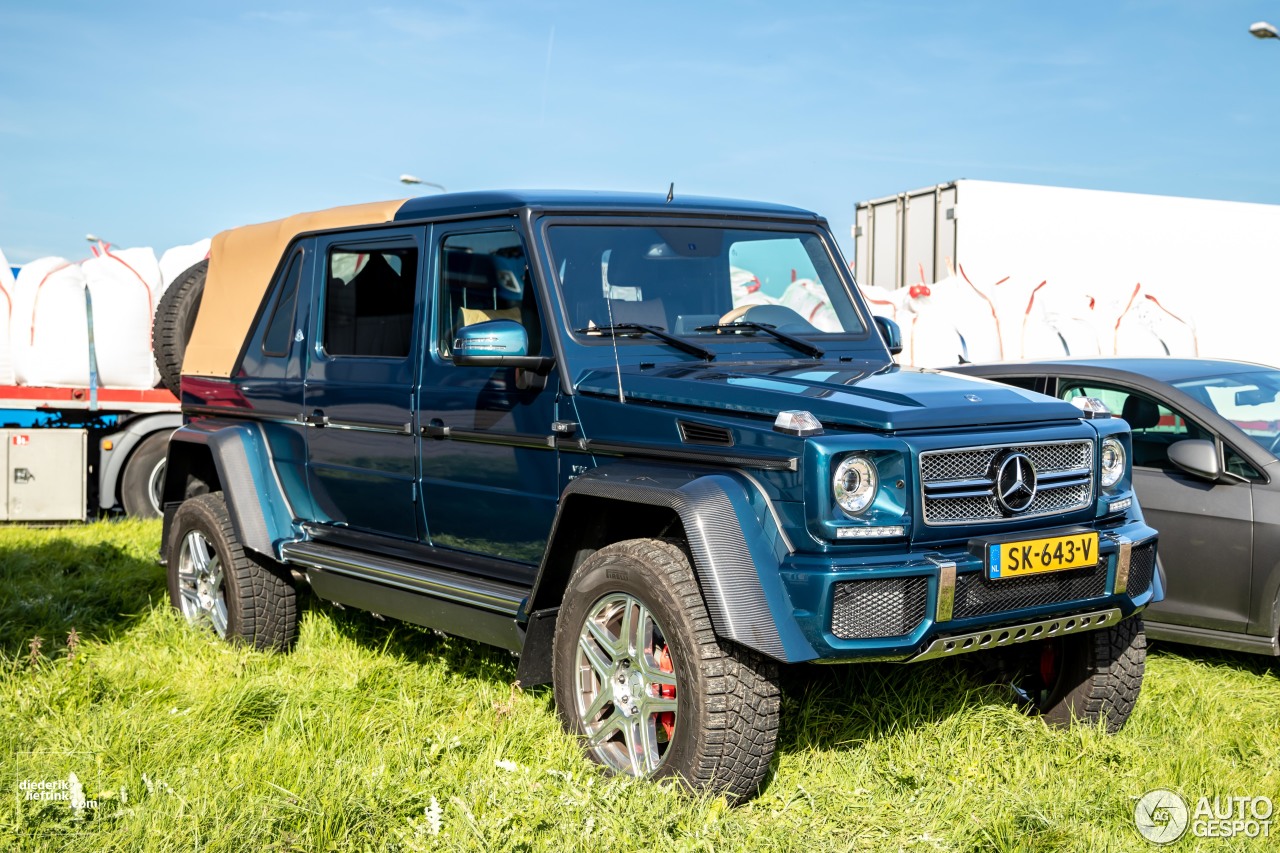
{"x": 497, "y": 343}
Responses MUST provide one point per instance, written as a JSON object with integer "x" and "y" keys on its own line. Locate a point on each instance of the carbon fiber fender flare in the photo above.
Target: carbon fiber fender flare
{"x": 255, "y": 500}
{"x": 733, "y": 535}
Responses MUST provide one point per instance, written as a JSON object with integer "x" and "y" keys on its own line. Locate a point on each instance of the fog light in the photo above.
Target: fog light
{"x": 1120, "y": 505}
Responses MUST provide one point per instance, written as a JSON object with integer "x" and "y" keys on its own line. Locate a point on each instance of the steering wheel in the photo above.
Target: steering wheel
{"x": 735, "y": 314}
{"x": 780, "y": 317}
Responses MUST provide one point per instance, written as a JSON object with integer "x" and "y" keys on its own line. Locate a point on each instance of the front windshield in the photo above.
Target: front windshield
{"x": 693, "y": 280}
{"x": 1248, "y": 400}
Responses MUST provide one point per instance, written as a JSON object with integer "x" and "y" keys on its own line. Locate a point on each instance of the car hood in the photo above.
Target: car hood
{"x": 857, "y": 395}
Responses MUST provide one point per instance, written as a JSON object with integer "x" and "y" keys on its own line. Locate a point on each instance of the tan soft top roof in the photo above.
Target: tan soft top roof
{"x": 241, "y": 262}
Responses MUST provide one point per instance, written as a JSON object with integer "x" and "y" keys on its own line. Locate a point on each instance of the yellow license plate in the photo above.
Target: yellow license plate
{"x": 1037, "y": 556}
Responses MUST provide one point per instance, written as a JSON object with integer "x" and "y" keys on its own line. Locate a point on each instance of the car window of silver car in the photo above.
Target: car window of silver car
{"x": 1155, "y": 426}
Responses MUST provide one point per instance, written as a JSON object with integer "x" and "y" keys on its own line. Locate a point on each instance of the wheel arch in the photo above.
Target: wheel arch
{"x": 112, "y": 463}
{"x": 234, "y": 458}
{"x": 736, "y": 551}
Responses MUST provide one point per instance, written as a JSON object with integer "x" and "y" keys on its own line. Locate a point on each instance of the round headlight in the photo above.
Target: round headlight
{"x": 854, "y": 484}
{"x": 1112, "y": 462}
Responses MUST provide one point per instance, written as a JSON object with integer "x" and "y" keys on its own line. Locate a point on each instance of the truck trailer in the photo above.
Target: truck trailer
{"x": 83, "y": 427}
{"x": 68, "y": 453}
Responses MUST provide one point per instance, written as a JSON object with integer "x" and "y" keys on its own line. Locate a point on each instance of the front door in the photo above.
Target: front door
{"x": 358, "y": 400}
{"x": 490, "y": 483}
{"x": 1206, "y": 529}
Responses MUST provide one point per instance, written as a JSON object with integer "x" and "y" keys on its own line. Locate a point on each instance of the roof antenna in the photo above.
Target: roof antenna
{"x": 671, "y": 192}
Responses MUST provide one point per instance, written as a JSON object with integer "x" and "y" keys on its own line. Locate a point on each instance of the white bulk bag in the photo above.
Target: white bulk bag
{"x": 7, "y": 283}
{"x": 745, "y": 287}
{"x": 48, "y": 330}
{"x": 884, "y": 302}
{"x": 1148, "y": 328}
{"x": 125, "y": 285}
{"x": 809, "y": 299}
{"x": 948, "y": 322}
{"x": 177, "y": 260}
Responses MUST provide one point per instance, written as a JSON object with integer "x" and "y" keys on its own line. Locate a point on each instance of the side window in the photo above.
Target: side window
{"x": 368, "y": 302}
{"x": 275, "y": 342}
{"x": 1238, "y": 465}
{"x": 1155, "y": 426}
{"x": 485, "y": 276}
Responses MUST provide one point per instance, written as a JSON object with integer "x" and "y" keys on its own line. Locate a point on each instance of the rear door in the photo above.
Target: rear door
{"x": 270, "y": 378}
{"x": 361, "y": 379}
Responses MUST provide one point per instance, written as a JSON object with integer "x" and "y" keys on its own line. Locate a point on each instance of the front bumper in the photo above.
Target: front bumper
{"x": 917, "y": 605}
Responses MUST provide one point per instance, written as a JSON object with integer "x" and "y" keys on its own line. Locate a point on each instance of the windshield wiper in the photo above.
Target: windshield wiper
{"x": 657, "y": 331}
{"x": 790, "y": 340}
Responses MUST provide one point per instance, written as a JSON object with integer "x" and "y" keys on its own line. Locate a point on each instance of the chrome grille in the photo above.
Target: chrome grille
{"x": 958, "y": 486}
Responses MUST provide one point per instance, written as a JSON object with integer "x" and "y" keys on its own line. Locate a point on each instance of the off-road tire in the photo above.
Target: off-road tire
{"x": 174, "y": 321}
{"x": 261, "y": 601}
{"x": 135, "y": 484}
{"x": 726, "y": 724}
{"x": 1100, "y": 677}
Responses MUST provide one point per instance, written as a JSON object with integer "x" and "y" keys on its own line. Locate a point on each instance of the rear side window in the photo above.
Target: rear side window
{"x": 280, "y": 325}
{"x": 368, "y": 303}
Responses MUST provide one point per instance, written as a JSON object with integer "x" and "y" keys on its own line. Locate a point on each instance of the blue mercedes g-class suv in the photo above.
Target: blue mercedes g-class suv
{"x": 656, "y": 446}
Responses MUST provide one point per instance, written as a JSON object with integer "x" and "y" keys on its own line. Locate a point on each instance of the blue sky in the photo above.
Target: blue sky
{"x": 157, "y": 124}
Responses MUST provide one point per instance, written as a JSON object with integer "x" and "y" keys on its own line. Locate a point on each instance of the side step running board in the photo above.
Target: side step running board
{"x": 472, "y": 591}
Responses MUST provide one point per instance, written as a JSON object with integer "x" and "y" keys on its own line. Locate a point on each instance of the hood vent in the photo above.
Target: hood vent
{"x": 692, "y": 432}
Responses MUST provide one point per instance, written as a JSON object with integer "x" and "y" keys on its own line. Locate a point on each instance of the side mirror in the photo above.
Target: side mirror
{"x": 1197, "y": 457}
{"x": 496, "y": 343}
{"x": 889, "y": 333}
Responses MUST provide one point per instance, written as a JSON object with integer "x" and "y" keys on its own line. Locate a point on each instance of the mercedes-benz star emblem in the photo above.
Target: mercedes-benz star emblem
{"x": 1015, "y": 483}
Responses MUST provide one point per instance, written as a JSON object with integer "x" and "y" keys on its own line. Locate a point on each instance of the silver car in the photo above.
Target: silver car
{"x": 1206, "y": 435}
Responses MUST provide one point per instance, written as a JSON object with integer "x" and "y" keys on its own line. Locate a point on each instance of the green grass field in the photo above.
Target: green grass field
{"x": 378, "y": 736}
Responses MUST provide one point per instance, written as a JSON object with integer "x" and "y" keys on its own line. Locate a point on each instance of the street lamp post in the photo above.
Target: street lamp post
{"x": 411, "y": 179}
{"x": 1263, "y": 30}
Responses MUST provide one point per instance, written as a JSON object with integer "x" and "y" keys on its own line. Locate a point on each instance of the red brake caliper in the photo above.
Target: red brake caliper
{"x": 667, "y": 719}
{"x": 1048, "y": 666}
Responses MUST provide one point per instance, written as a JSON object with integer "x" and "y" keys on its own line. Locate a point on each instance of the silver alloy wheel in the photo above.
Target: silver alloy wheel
{"x": 201, "y": 583}
{"x": 155, "y": 486}
{"x": 625, "y": 686}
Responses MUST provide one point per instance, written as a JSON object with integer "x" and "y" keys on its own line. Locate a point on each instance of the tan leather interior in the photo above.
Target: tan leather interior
{"x": 471, "y": 316}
